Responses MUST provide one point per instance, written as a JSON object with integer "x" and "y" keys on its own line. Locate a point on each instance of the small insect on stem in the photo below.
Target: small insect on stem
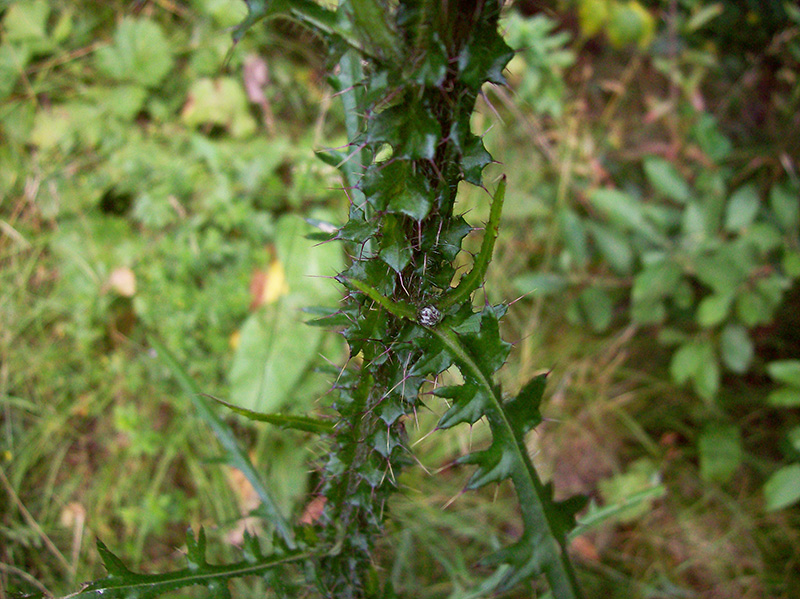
{"x": 429, "y": 316}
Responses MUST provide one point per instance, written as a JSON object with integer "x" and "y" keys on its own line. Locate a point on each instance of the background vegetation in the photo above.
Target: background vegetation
{"x": 650, "y": 237}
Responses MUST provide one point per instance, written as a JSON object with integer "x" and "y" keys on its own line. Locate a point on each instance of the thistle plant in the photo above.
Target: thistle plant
{"x": 409, "y": 74}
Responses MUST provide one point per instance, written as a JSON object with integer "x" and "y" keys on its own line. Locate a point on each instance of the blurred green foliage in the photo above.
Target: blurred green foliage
{"x": 143, "y": 187}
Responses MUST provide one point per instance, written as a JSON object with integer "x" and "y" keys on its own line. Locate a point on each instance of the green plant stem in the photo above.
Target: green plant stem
{"x": 475, "y": 277}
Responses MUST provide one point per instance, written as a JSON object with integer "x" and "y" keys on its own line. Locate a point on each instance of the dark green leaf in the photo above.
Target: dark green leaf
{"x": 523, "y": 410}
{"x": 484, "y": 58}
{"x": 395, "y": 249}
{"x": 474, "y": 159}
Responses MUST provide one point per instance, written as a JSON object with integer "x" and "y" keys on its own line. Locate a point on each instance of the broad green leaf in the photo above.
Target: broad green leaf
{"x": 593, "y": 15}
{"x": 784, "y": 199}
{"x": 720, "y": 449}
{"x": 720, "y": 271}
{"x": 782, "y": 489}
{"x": 226, "y": 13}
{"x": 752, "y": 309}
{"x": 656, "y": 281}
{"x": 640, "y": 476}
{"x": 684, "y": 362}
{"x": 625, "y": 212}
{"x": 13, "y": 60}
{"x": 220, "y": 102}
{"x": 276, "y": 348}
{"x": 713, "y": 309}
{"x": 629, "y": 23}
{"x": 613, "y": 247}
{"x": 707, "y": 375}
{"x": 785, "y": 397}
{"x": 26, "y": 21}
{"x": 742, "y": 208}
{"x": 573, "y": 232}
{"x": 666, "y": 179}
{"x": 52, "y": 128}
{"x": 785, "y": 371}
{"x": 139, "y": 54}
{"x": 710, "y": 139}
{"x": 597, "y": 308}
{"x": 736, "y": 348}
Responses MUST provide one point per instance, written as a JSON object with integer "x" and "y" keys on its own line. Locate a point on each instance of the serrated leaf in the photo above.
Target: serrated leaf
{"x": 484, "y": 58}
{"x": 393, "y": 188}
{"x": 411, "y": 130}
{"x": 494, "y": 465}
{"x": 474, "y": 159}
{"x": 196, "y": 549}
{"x": 486, "y": 346}
{"x": 469, "y": 404}
{"x": 395, "y": 249}
{"x": 357, "y": 231}
{"x": 122, "y": 583}
{"x": 111, "y": 562}
{"x": 523, "y": 410}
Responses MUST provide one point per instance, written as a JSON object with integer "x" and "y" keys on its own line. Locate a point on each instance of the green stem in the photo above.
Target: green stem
{"x": 475, "y": 277}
